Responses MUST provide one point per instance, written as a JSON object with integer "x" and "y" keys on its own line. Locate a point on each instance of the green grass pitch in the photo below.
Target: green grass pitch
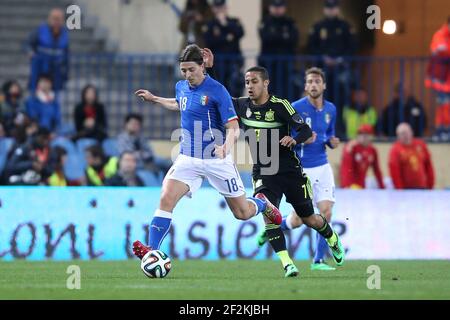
{"x": 241, "y": 279}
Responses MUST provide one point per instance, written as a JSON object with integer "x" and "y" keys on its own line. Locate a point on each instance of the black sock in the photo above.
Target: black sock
{"x": 326, "y": 230}
{"x": 276, "y": 237}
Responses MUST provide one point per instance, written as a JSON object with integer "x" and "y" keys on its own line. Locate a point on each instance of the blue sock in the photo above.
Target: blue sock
{"x": 259, "y": 203}
{"x": 284, "y": 226}
{"x": 159, "y": 228}
{"x": 321, "y": 248}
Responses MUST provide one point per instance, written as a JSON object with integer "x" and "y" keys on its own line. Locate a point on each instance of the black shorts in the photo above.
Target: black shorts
{"x": 295, "y": 186}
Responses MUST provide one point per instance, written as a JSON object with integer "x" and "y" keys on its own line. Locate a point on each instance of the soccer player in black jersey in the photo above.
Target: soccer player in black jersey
{"x": 268, "y": 121}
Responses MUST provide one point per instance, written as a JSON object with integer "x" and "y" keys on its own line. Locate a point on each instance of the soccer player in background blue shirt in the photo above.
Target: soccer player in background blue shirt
{"x": 209, "y": 131}
{"x": 320, "y": 115}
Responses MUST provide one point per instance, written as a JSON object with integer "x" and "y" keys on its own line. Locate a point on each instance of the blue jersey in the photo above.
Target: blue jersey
{"x": 205, "y": 110}
{"x": 322, "y": 122}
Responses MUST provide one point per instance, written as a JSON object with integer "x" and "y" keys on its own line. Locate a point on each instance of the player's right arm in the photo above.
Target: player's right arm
{"x": 168, "y": 103}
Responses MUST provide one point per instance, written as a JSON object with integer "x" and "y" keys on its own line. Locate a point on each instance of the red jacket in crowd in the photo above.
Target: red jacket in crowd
{"x": 438, "y": 72}
{"x": 411, "y": 166}
{"x": 356, "y": 160}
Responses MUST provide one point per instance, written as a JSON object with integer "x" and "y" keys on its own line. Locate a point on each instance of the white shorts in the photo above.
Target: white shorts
{"x": 322, "y": 182}
{"x": 222, "y": 174}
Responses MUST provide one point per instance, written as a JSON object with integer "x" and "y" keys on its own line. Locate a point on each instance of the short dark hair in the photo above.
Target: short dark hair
{"x": 124, "y": 153}
{"x": 135, "y": 116}
{"x": 56, "y": 155}
{"x": 261, "y": 70}
{"x": 317, "y": 71}
{"x": 192, "y": 53}
{"x": 96, "y": 151}
{"x": 43, "y": 132}
{"x": 85, "y": 89}
{"x": 45, "y": 76}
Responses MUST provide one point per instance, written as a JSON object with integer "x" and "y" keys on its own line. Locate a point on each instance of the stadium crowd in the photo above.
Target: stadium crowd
{"x": 33, "y": 151}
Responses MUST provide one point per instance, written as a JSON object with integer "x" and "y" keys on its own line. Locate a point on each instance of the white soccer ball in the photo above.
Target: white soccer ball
{"x": 156, "y": 264}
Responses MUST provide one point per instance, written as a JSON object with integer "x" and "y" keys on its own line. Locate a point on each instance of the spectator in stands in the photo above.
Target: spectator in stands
{"x": 410, "y": 162}
{"x": 24, "y": 131}
{"x": 43, "y": 106}
{"x": 57, "y": 178}
{"x": 331, "y": 40}
{"x": 222, "y": 35}
{"x": 192, "y": 19}
{"x": 28, "y": 163}
{"x": 58, "y": 157}
{"x": 279, "y": 39}
{"x": 12, "y": 107}
{"x": 99, "y": 166}
{"x": 89, "y": 116}
{"x": 49, "y": 51}
{"x": 403, "y": 108}
{"x": 438, "y": 79}
{"x": 359, "y": 112}
{"x": 358, "y": 156}
{"x": 132, "y": 140}
{"x": 126, "y": 176}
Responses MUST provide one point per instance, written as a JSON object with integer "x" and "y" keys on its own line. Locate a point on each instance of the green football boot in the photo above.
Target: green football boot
{"x": 337, "y": 250}
{"x": 290, "y": 271}
{"x": 262, "y": 238}
{"x": 321, "y": 266}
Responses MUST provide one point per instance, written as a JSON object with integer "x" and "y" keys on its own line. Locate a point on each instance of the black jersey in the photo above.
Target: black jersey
{"x": 265, "y": 125}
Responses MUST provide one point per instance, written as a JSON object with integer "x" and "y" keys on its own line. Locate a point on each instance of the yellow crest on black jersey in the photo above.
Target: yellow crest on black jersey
{"x": 270, "y": 115}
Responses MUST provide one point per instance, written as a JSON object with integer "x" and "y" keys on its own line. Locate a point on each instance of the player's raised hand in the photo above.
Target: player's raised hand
{"x": 288, "y": 141}
{"x": 145, "y": 95}
{"x": 208, "y": 57}
{"x": 334, "y": 141}
{"x": 312, "y": 139}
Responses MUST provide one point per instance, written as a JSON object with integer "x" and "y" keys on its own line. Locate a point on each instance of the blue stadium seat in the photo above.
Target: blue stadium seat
{"x": 66, "y": 129}
{"x": 74, "y": 167}
{"x": 110, "y": 147}
{"x": 64, "y": 143}
{"x": 84, "y": 143}
{"x": 149, "y": 178}
{"x": 5, "y": 146}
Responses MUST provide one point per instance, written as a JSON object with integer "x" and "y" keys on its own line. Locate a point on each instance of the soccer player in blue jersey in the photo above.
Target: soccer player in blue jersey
{"x": 209, "y": 131}
{"x": 320, "y": 115}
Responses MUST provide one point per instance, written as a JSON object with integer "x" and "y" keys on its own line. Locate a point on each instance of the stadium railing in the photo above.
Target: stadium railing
{"x": 117, "y": 76}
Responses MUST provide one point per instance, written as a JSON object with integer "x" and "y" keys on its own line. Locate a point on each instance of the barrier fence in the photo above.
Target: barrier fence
{"x": 118, "y": 75}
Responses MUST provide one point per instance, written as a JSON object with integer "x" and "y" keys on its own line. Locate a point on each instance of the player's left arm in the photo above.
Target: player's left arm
{"x": 332, "y": 140}
{"x": 232, "y": 129}
{"x": 303, "y": 131}
{"x": 229, "y": 120}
